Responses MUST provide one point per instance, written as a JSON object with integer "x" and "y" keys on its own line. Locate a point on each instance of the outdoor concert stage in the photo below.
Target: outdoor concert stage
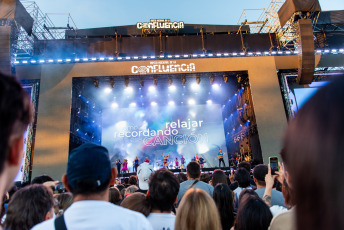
{"x": 176, "y": 115}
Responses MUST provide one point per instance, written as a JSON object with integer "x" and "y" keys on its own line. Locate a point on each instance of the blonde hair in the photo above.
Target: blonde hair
{"x": 197, "y": 210}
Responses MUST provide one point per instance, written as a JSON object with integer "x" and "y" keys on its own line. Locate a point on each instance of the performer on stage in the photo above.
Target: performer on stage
{"x": 146, "y": 160}
{"x": 176, "y": 162}
{"x": 136, "y": 163}
{"x": 125, "y": 166}
{"x": 165, "y": 160}
{"x": 182, "y": 162}
{"x": 201, "y": 162}
{"x": 196, "y": 157}
{"x": 220, "y": 156}
{"x": 118, "y": 163}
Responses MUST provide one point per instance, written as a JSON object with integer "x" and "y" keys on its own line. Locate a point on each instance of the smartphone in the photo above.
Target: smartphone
{"x": 273, "y": 161}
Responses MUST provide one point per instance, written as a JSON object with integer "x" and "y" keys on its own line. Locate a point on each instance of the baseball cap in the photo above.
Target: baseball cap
{"x": 89, "y": 161}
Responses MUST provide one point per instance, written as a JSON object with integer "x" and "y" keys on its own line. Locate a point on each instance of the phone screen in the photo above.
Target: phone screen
{"x": 274, "y": 165}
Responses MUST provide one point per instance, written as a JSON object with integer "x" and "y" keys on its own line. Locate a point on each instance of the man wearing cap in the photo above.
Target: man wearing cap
{"x": 89, "y": 173}
{"x": 143, "y": 173}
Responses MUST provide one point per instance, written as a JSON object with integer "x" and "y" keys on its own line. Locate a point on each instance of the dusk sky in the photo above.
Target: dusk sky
{"x": 105, "y": 13}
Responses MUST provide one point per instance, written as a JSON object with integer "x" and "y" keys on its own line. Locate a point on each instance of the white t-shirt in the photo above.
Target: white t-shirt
{"x": 92, "y": 214}
{"x": 162, "y": 221}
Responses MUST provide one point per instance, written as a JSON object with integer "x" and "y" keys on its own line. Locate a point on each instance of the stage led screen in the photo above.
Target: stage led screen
{"x": 153, "y": 130}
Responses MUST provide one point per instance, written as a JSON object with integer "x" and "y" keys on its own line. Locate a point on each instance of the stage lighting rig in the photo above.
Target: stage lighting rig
{"x": 170, "y": 81}
{"x": 212, "y": 79}
{"x": 198, "y": 79}
{"x": 142, "y": 82}
{"x": 183, "y": 80}
{"x": 126, "y": 81}
{"x": 112, "y": 83}
{"x": 96, "y": 83}
{"x": 225, "y": 78}
{"x": 155, "y": 81}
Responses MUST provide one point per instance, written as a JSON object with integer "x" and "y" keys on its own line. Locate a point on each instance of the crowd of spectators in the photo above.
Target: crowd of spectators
{"x": 306, "y": 192}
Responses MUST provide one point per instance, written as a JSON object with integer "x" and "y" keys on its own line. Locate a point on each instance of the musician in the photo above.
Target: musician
{"x": 201, "y": 162}
{"x": 118, "y": 164}
{"x": 165, "y": 160}
{"x": 220, "y": 156}
{"x": 136, "y": 163}
{"x": 146, "y": 160}
{"x": 182, "y": 162}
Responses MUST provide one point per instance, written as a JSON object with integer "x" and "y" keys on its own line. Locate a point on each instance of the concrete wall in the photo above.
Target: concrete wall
{"x": 53, "y": 123}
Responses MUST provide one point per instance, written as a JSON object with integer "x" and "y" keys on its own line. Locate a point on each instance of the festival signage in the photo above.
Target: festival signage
{"x": 154, "y": 24}
{"x": 163, "y": 67}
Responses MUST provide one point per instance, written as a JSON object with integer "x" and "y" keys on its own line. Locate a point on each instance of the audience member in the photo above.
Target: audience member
{"x": 162, "y": 195}
{"x": 182, "y": 177}
{"x": 41, "y": 179}
{"x": 193, "y": 173}
{"x": 313, "y": 156}
{"x": 252, "y": 214}
{"x": 64, "y": 200}
{"x": 132, "y": 180}
{"x": 218, "y": 177}
{"x": 223, "y": 198}
{"x": 259, "y": 173}
{"x": 16, "y": 115}
{"x": 115, "y": 196}
{"x": 29, "y": 206}
{"x": 88, "y": 177}
{"x": 143, "y": 173}
{"x": 242, "y": 176}
{"x": 131, "y": 189}
{"x": 137, "y": 202}
{"x": 205, "y": 177}
{"x": 197, "y": 211}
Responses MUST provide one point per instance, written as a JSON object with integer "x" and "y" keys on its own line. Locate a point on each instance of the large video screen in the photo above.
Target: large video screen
{"x": 155, "y": 130}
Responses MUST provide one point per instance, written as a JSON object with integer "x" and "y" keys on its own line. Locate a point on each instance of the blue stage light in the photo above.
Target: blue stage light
{"x": 111, "y": 58}
{"x": 101, "y": 59}
{"x": 327, "y": 51}
{"x": 234, "y": 54}
{"x": 202, "y": 55}
{"x": 151, "y": 88}
{"x": 85, "y": 59}
{"x": 33, "y": 61}
{"x": 191, "y": 101}
{"x": 210, "y": 55}
{"x": 161, "y": 56}
{"x": 171, "y": 103}
{"x": 209, "y": 102}
{"x": 296, "y": 52}
{"x": 107, "y": 90}
{"x": 153, "y": 103}
{"x": 226, "y": 54}
{"x": 59, "y": 60}
{"x": 68, "y": 60}
{"x": 24, "y": 62}
{"x": 16, "y": 62}
{"x": 177, "y": 56}
{"x": 172, "y": 88}
{"x": 119, "y": 58}
{"x": 287, "y": 52}
{"x": 280, "y": 52}
{"x": 152, "y": 57}
{"x": 136, "y": 57}
{"x": 94, "y": 59}
{"x": 185, "y": 55}
{"x": 266, "y": 53}
{"x": 77, "y": 59}
{"x": 50, "y": 60}
{"x": 258, "y": 53}
{"x": 219, "y": 55}
{"x": 128, "y": 58}
{"x": 114, "y": 105}
{"x": 41, "y": 61}
{"x": 242, "y": 53}
{"x": 169, "y": 56}
{"x": 273, "y": 53}
{"x": 129, "y": 89}
{"x": 133, "y": 104}
{"x": 144, "y": 57}
{"x": 216, "y": 86}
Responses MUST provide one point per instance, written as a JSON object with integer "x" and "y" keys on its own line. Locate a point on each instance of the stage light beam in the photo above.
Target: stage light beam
{"x": 191, "y": 101}
{"x": 171, "y": 103}
{"x": 172, "y": 88}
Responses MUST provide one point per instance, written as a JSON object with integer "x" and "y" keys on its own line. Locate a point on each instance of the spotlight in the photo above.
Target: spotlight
{"x": 172, "y": 88}
{"x": 183, "y": 80}
{"x": 114, "y": 105}
{"x": 128, "y": 90}
{"x": 212, "y": 79}
{"x": 126, "y": 81}
{"x": 142, "y": 82}
{"x": 96, "y": 83}
{"x": 171, "y": 103}
{"x": 153, "y": 103}
{"x": 112, "y": 83}
{"x": 170, "y": 81}
{"x": 209, "y": 102}
{"x": 216, "y": 86}
{"x": 225, "y": 78}
{"x": 151, "y": 88}
{"x": 155, "y": 81}
{"x": 238, "y": 78}
{"x": 133, "y": 104}
{"x": 107, "y": 90}
{"x": 191, "y": 101}
{"x": 198, "y": 79}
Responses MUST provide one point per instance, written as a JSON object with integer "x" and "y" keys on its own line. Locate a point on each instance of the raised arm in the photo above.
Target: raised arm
{"x": 269, "y": 180}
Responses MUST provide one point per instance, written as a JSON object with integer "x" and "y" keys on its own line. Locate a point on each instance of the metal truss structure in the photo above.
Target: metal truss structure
{"x": 268, "y": 22}
{"x": 43, "y": 29}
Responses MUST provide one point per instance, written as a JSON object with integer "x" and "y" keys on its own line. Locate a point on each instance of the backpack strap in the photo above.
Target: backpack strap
{"x": 60, "y": 223}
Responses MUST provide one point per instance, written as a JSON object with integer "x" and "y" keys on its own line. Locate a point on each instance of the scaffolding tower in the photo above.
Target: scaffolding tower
{"x": 43, "y": 29}
{"x": 268, "y": 22}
